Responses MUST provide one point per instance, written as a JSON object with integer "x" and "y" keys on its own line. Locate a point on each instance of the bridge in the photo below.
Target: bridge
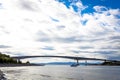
{"x": 67, "y": 57}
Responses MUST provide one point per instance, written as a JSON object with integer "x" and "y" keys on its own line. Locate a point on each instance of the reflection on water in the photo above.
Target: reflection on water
{"x": 62, "y": 73}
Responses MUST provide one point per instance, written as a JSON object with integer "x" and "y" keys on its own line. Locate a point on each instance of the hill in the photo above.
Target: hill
{"x": 7, "y": 59}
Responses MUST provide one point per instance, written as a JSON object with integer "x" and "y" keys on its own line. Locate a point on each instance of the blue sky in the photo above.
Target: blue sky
{"x": 85, "y": 28}
{"x": 114, "y": 4}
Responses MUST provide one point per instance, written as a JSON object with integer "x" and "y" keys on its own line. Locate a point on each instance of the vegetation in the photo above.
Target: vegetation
{"x": 27, "y": 62}
{"x": 7, "y": 59}
{"x": 111, "y": 63}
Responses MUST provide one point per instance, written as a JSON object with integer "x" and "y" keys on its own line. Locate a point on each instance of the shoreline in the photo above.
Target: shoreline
{"x": 20, "y": 65}
{"x": 17, "y": 65}
{"x": 2, "y": 76}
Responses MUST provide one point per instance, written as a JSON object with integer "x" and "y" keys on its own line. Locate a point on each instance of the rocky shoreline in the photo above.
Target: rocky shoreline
{"x": 2, "y": 76}
{"x": 19, "y": 65}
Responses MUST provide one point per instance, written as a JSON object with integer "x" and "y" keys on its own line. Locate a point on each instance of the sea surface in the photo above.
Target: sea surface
{"x": 62, "y": 73}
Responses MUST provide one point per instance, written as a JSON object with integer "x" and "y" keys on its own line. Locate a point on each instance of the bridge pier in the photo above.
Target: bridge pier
{"x": 75, "y": 64}
{"x": 77, "y": 61}
{"x": 105, "y": 60}
{"x": 86, "y": 62}
{"x": 79, "y": 64}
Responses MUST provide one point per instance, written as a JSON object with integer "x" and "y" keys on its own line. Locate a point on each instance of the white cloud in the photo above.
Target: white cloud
{"x": 28, "y": 26}
{"x": 100, "y": 8}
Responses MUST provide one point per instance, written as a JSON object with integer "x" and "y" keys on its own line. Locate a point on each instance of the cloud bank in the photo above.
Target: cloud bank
{"x": 48, "y": 27}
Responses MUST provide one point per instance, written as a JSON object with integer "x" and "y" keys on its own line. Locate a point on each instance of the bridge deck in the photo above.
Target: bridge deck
{"x": 68, "y": 57}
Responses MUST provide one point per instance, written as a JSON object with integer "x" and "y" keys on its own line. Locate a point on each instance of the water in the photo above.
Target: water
{"x": 62, "y": 73}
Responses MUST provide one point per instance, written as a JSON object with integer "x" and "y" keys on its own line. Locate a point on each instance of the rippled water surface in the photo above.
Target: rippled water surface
{"x": 62, "y": 73}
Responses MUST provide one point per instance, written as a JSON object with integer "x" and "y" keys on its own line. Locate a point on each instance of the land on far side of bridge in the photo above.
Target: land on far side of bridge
{"x": 107, "y": 63}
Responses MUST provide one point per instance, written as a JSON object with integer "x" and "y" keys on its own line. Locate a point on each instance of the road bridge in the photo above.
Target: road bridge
{"x": 67, "y": 57}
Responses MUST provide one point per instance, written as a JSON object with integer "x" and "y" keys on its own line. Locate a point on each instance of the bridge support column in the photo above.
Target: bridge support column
{"x": 77, "y": 61}
{"x": 105, "y": 60}
{"x": 86, "y": 62}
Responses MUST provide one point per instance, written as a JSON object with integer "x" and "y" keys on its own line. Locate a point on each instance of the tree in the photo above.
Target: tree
{"x": 7, "y": 59}
{"x": 27, "y": 62}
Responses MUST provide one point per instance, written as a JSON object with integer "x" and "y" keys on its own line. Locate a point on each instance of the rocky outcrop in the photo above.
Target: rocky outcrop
{"x": 2, "y": 76}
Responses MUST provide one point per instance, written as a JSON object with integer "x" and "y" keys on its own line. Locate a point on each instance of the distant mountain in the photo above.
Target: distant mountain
{"x": 68, "y": 63}
{"x": 60, "y": 63}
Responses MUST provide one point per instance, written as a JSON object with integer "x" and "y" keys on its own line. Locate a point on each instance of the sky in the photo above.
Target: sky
{"x": 84, "y": 28}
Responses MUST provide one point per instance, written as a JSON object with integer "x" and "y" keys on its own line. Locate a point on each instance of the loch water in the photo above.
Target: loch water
{"x": 62, "y": 73}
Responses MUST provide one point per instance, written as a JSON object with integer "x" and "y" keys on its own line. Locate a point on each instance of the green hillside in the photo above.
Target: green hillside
{"x": 7, "y": 59}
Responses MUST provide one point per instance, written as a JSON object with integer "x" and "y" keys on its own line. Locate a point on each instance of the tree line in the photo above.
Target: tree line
{"x": 7, "y": 59}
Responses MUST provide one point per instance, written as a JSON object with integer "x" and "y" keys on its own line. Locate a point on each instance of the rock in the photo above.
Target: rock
{"x": 2, "y": 76}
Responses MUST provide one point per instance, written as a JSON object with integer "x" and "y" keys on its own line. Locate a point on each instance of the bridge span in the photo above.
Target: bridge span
{"x": 67, "y": 57}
